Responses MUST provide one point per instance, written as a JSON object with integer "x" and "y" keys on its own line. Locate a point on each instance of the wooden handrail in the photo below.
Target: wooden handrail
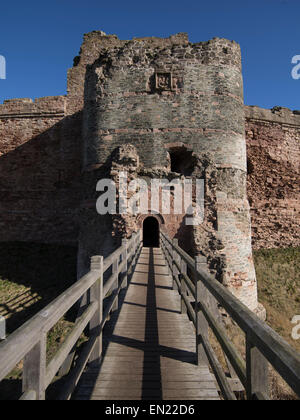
{"x": 29, "y": 341}
{"x": 263, "y": 343}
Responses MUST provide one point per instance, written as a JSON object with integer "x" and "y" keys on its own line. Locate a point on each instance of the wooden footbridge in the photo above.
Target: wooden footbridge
{"x": 150, "y": 314}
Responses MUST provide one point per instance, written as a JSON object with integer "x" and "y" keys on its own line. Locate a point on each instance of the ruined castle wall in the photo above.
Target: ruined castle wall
{"x": 38, "y": 170}
{"x": 273, "y": 150}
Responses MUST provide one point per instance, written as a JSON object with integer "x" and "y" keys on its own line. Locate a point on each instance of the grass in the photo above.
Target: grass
{"x": 278, "y": 277}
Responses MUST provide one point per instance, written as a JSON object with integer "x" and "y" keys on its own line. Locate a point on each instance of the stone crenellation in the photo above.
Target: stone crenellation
{"x": 139, "y": 104}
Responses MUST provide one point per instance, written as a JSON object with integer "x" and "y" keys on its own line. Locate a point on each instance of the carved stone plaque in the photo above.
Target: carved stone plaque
{"x": 163, "y": 81}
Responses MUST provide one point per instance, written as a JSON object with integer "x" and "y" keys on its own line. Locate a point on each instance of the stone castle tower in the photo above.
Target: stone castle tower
{"x": 171, "y": 109}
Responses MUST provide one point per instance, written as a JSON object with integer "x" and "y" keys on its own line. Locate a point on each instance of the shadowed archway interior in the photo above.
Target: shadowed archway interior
{"x": 151, "y": 232}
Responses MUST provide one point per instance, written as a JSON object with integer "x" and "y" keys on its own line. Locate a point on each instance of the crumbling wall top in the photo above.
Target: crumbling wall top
{"x": 215, "y": 52}
{"x": 277, "y": 114}
{"x": 97, "y": 41}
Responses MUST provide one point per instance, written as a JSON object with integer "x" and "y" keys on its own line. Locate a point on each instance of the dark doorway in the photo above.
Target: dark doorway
{"x": 151, "y": 232}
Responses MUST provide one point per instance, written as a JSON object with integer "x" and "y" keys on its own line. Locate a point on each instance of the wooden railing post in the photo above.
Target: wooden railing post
{"x": 201, "y": 323}
{"x": 174, "y": 269}
{"x": 115, "y": 270}
{"x": 257, "y": 373}
{"x": 183, "y": 286}
{"x": 140, "y": 239}
{"x": 34, "y": 369}
{"x": 125, "y": 258}
{"x": 165, "y": 249}
{"x": 133, "y": 250}
{"x": 168, "y": 253}
{"x": 132, "y": 256}
{"x": 96, "y": 295}
{"x": 2, "y": 328}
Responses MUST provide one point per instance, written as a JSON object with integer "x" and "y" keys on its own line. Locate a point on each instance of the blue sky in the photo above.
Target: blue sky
{"x": 40, "y": 39}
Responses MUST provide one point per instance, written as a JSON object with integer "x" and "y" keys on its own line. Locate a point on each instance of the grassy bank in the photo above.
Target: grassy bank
{"x": 278, "y": 277}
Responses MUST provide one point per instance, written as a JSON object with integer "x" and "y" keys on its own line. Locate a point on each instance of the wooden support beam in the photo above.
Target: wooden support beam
{"x": 125, "y": 260}
{"x": 257, "y": 373}
{"x": 174, "y": 268}
{"x": 201, "y": 322}
{"x": 115, "y": 271}
{"x": 34, "y": 370}
{"x": 97, "y": 296}
{"x": 183, "y": 286}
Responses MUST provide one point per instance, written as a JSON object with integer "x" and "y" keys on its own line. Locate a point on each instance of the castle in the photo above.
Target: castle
{"x": 163, "y": 108}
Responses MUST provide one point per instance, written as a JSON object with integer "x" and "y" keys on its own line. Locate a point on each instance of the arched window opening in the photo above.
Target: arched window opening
{"x": 182, "y": 161}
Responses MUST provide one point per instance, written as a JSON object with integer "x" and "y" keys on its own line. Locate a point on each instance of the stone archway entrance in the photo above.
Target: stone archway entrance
{"x": 151, "y": 232}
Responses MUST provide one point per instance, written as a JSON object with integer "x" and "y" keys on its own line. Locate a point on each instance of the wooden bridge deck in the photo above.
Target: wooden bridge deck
{"x": 150, "y": 352}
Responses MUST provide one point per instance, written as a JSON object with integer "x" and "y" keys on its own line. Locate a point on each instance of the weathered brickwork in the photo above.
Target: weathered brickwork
{"x": 39, "y": 171}
{"x": 273, "y": 149}
{"x": 159, "y": 108}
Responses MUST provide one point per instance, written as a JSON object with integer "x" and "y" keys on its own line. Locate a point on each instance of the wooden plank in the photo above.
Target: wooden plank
{"x": 234, "y": 356}
{"x": 63, "y": 352}
{"x": 201, "y": 323}
{"x": 151, "y": 376}
{"x": 218, "y": 371}
{"x": 29, "y": 396}
{"x": 185, "y": 394}
{"x": 76, "y": 373}
{"x": 138, "y": 384}
{"x": 34, "y": 370}
{"x": 257, "y": 373}
{"x": 125, "y": 261}
{"x": 97, "y": 296}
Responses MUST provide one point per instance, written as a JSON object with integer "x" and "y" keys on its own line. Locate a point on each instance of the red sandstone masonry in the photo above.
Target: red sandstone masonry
{"x": 39, "y": 162}
{"x": 48, "y": 106}
{"x": 273, "y": 150}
